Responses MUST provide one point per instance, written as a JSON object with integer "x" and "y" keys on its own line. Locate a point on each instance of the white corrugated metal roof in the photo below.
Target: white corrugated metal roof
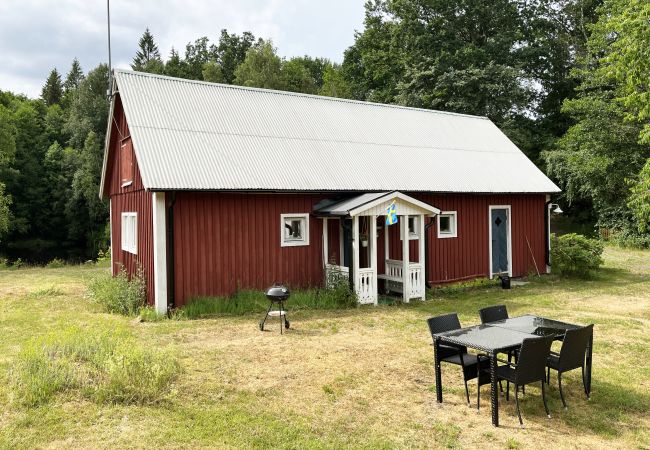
{"x": 205, "y": 136}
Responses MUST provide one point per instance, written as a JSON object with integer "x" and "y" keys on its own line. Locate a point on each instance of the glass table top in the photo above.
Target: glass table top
{"x": 505, "y": 334}
{"x": 530, "y": 324}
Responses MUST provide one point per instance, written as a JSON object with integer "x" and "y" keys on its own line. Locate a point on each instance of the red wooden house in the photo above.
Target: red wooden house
{"x": 214, "y": 188}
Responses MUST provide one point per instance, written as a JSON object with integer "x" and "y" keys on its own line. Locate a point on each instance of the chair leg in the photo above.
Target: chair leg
{"x": 548, "y": 414}
{"x": 548, "y": 375}
{"x": 467, "y": 392}
{"x": 559, "y": 382}
{"x": 507, "y": 391}
{"x": 584, "y": 381}
{"x": 521, "y": 422}
{"x": 478, "y": 392}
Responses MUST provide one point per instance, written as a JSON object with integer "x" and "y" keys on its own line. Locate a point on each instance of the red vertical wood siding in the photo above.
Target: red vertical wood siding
{"x": 131, "y": 198}
{"x": 229, "y": 241}
{"x": 226, "y": 241}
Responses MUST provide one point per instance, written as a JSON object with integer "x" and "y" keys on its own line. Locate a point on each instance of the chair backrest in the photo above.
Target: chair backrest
{"x": 493, "y": 313}
{"x": 532, "y": 360}
{"x": 574, "y": 346}
{"x": 440, "y": 324}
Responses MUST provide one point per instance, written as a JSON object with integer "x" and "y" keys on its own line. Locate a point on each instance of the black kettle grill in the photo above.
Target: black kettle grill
{"x": 277, "y": 295}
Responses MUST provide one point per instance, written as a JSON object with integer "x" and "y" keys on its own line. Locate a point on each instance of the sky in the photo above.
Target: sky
{"x": 38, "y": 35}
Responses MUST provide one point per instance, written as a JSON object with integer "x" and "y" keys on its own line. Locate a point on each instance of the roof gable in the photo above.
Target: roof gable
{"x": 191, "y": 135}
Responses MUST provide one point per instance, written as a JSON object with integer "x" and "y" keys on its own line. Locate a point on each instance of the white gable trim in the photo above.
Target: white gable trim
{"x": 414, "y": 206}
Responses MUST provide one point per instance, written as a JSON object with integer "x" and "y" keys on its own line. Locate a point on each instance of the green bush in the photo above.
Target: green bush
{"x": 119, "y": 294}
{"x": 575, "y": 255}
{"x": 56, "y": 263}
{"x": 106, "y": 367}
{"x": 631, "y": 239}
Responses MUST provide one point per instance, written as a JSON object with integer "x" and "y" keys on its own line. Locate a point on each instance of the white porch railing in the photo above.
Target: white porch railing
{"x": 366, "y": 285}
{"x": 413, "y": 282}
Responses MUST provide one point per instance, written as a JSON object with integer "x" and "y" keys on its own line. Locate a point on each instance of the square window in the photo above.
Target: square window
{"x": 447, "y": 224}
{"x": 130, "y": 232}
{"x": 295, "y": 230}
{"x": 413, "y": 228}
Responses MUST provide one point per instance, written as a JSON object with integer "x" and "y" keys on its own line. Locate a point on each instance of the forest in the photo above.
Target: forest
{"x": 566, "y": 80}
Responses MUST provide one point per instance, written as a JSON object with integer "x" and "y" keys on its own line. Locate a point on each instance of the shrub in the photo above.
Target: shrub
{"x": 631, "y": 239}
{"x": 18, "y": 264}
{"x": 575, "y": 255}
{"x": 119, "y": 294}
{"x": 107, "y": 367}
{"x": 56, "y": 263}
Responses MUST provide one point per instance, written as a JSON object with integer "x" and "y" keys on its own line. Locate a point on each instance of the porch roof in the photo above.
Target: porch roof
{"x": 374, "y": 202}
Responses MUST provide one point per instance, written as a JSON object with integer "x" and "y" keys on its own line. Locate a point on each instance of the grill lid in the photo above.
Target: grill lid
{"x": 277, "y": 293}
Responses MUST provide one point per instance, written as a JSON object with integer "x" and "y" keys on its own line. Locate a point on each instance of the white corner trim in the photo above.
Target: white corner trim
{"x": 159, "y": 216}
{"x": 454, "y": 233}
{"x": 490, "y": 208}
{"x": 296, "y": 243}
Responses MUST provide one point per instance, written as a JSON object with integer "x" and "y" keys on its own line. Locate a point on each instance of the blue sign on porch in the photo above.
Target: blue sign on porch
{"x": 391, "y": 214}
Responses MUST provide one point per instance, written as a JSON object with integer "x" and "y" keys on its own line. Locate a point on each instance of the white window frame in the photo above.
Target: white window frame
{"x": 454, "y": 222}
{"x": 129, "y": 234}
{"x": 284, "y": 242}
{"x": 413, "y": 235}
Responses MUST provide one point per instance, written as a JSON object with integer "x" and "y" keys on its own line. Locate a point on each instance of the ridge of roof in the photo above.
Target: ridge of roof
{"x": 293, "y": 94}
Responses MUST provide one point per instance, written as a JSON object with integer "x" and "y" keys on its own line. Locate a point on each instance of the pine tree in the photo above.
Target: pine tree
{"x": 74, "y": 78}
{"x": 147, "y": 58}
{"x": 53, "y": 89}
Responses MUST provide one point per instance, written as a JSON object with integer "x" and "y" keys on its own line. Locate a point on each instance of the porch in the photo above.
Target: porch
{"x": 352, "y": 243}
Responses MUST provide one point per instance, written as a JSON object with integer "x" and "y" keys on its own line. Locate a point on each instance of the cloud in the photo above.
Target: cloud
{"x": 37, "y": 35}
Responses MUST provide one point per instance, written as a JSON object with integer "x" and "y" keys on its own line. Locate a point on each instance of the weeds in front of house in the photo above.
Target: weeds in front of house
{"x": 105, "y": 367}
{"x": 463, "y": 287}
{"x": 119, "y": 294}
{"x": 335, "y": 296}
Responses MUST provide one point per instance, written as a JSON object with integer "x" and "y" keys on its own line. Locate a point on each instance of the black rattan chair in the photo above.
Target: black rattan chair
{"x": 456, "y": 354}
{"x": 493, "y": 313}
{"x": 530, "y": 368}
{"x": 571, "y": 356}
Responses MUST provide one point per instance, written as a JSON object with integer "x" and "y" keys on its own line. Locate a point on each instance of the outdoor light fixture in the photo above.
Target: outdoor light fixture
{"x": 556, "y": 208}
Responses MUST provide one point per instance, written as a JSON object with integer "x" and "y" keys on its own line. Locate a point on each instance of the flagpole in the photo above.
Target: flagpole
{"x": 110, "y": 73}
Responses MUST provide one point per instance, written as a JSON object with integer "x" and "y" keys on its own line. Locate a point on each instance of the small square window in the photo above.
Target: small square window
{"x": 413, "y": 227}
{"x": 295, "y": 229}
{"x": 447, "y": 224}
{"x": 130, "y": 232}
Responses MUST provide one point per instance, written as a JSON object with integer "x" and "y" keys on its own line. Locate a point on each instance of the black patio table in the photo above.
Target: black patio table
{"x": 501, "y": 337}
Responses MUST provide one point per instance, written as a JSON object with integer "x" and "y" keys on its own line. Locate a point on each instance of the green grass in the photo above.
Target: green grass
{"x": 72, "y": 375}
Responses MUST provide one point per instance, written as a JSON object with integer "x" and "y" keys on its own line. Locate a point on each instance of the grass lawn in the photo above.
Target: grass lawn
{"x": 359, "y": 378}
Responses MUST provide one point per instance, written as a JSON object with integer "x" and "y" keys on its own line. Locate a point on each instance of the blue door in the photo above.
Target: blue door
{"x": 499, "y": 225}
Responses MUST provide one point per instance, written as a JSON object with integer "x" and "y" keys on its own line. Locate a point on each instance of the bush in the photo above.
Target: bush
{"x": 107, "y": 367}
{"x": 119, "y": 294}
{"x": 56, "y": 263}
{"x": 575, "y": 255}
{"x": 631, "y": 239}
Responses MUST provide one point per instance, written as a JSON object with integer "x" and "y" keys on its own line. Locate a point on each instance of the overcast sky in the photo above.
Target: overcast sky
{"x": 37, "y": 35}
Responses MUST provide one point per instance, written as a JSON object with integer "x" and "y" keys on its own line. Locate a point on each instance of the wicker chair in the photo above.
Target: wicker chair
{"x": 493, "y": 313}
{"x": 571, "y": 356}
{"x": 529, "y": 369}
{"x": 457, "y": 354}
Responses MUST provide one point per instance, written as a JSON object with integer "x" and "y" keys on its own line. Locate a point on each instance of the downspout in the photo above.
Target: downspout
{"x": 170, "y": 251}
{"x": 426, "y": 250}
{"x": 547, "y": 233}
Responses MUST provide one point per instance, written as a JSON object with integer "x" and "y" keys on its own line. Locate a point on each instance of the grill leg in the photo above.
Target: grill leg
{"x": 281, "y": 317}
{"x": 265, "y": 317}
{"x": 494, "y": 393}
